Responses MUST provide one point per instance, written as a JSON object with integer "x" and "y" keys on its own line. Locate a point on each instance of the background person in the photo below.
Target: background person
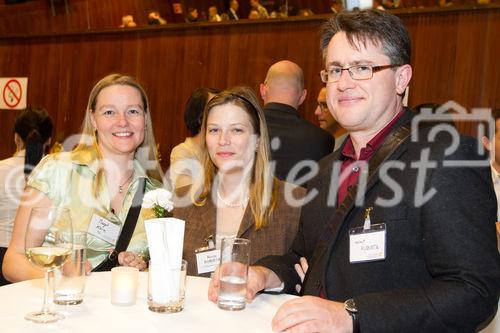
{"x": 98, "y": 179}
{"x": 232, "y": 13}
{"x": 296, "y": 139}
{"x": 261, "y": 10}
{"x": 187, "y": 156}
{"x": 493, "y": 147}
{"x": 192, "y": 16}
{"x": 33, "y": 129}
{"x": 154, "y": 18}
{"x": 239, "y": 196}
{"x": 213, "y": 14}
{"x": 128, "y": 22}
{"x": 327, "y": 122}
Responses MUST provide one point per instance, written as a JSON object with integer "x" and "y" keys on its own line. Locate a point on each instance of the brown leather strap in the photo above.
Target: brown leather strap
{"x": 392, "y": 142}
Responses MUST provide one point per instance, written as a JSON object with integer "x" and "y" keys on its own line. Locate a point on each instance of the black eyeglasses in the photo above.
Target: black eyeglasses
{"x": 357, "y": 72}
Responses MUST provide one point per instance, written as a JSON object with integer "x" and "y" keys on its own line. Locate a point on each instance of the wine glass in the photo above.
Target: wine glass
{"x": 48, "y": 245}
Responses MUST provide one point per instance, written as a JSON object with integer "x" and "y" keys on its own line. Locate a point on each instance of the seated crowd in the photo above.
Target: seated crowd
{"x": 278, "y": 9}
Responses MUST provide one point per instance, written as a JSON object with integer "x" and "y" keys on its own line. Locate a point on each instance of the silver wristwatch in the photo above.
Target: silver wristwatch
{"x": 350, "y": 307}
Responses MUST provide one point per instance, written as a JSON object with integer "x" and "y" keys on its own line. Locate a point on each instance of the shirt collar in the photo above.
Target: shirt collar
{"x": 89, "y": 156}
{"x": 372, "y": 145}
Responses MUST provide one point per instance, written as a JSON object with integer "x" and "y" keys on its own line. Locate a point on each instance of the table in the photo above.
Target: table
{"x": 96, "y": 314}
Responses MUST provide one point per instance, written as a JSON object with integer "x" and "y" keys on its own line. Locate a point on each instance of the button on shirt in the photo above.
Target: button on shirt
{"x": 351, "y": 167}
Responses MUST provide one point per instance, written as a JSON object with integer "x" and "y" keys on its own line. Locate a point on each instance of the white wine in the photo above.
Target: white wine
{"x": 48, "y": 257}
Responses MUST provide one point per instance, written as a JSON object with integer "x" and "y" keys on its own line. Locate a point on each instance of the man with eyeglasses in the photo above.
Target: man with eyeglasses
{"x": 401, "y": 241}
{"x": 327, "y": 122}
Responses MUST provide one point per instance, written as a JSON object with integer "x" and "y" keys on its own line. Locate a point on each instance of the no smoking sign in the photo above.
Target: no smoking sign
{"x": 13, "y": 93}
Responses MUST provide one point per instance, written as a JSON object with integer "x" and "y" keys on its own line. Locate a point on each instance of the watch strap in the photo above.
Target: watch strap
{"x": 355, "y": 322}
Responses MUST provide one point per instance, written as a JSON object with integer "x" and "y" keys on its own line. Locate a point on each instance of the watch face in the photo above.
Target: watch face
{"x": 350, "y": 305}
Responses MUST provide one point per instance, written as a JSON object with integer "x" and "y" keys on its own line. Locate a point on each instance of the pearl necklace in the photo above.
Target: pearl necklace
{"x": 242, "y": 203}
{"x": 120, "y": 187}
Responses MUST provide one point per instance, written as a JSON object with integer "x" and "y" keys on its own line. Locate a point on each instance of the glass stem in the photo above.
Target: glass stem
{"x": 45, "y": 308}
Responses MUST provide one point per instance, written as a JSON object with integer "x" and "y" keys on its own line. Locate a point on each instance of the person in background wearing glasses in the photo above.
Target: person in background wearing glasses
{"x": 327, "y": 122}
{"x": 406, "y": 242}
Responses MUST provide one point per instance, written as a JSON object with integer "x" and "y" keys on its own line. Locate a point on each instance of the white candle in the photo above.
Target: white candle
{"x": 124, "y": 282}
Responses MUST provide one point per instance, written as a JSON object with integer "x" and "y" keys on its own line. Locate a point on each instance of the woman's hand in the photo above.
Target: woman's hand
{"x": 132, "y": 260}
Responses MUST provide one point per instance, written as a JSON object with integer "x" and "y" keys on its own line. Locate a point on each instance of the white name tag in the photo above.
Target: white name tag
{"x": 367, "y": 244}
{"x": 207, "y": 261}
{"x": 103, "y": 229}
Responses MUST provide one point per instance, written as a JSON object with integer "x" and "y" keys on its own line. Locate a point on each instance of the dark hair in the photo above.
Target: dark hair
{"x": 495, "y": 113}
{"x": 371, "y": 25}
{"x": 193, "y": 112}
{"x": 34, "y": 126}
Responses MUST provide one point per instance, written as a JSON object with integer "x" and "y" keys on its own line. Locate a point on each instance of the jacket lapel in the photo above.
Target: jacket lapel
{"x": 246, "y": 222}
{"x": 391, "y": 149}
{"x": 206, "y": 217}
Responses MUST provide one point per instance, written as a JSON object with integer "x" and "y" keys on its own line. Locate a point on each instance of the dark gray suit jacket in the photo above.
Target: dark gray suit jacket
{"x": 442, "y": 267}
{"x": 300, "y": 139}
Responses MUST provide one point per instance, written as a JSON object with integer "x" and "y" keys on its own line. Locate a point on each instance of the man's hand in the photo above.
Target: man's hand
{"x": 312, "y": 314}
{"x": 259, "y": 278}
{"x": 132, "y": 260}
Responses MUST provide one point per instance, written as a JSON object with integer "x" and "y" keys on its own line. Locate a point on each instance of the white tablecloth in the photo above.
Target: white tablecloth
{"x": 96, "y": 314}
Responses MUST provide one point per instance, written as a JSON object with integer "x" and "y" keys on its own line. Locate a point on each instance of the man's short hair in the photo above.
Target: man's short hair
{"x": 379, "y": 27}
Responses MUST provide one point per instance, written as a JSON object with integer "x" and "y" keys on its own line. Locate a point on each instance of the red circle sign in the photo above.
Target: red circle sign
{"x": 12, "y": 93}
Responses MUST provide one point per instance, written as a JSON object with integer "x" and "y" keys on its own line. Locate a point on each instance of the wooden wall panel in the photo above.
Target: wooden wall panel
{"x": 454, "y": 57}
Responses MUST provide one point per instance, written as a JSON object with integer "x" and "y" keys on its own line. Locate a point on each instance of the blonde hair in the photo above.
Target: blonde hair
{"x": 262, "y": 190}
{"x": 146, "y": 152}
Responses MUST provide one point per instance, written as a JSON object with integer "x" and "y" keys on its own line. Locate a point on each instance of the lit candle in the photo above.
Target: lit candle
{"x": 124, "y": 285}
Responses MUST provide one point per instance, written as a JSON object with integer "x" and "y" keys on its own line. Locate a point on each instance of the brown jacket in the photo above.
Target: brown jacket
{"x": 275, "y": 239}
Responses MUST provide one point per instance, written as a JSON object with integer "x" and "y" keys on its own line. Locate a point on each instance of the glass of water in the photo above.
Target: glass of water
{"x": 233, "y": 273}
{"x": 70, "y": 278}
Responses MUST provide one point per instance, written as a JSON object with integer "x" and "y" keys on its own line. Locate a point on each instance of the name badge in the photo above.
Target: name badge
{"x": 207, "y": 260}
{"x": 104, "y": 229}
{"x": 367, "y": 244}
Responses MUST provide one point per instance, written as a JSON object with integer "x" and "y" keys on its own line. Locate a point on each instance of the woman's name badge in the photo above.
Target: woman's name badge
{"x": 103, "y": 229}
{"x": 207, "y": 259}
{"x": 367, "y": 243}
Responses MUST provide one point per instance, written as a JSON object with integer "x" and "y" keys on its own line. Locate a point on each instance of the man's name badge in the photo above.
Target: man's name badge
{"x": 367, "y": 244}
{"x": 207, "y": 259}
{"x": 103, "y": 229}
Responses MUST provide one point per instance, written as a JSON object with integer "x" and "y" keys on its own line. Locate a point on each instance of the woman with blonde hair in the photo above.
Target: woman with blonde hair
{"x": 97, "y": 181}
{"x": 238, "y": 195}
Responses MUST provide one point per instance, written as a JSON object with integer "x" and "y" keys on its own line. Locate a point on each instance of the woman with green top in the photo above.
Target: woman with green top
{"x": 97, "y": 181}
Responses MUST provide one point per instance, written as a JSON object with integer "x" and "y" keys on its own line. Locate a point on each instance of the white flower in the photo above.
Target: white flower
{"x": 163, "y": 199}
{"x": 159, "y": 199}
